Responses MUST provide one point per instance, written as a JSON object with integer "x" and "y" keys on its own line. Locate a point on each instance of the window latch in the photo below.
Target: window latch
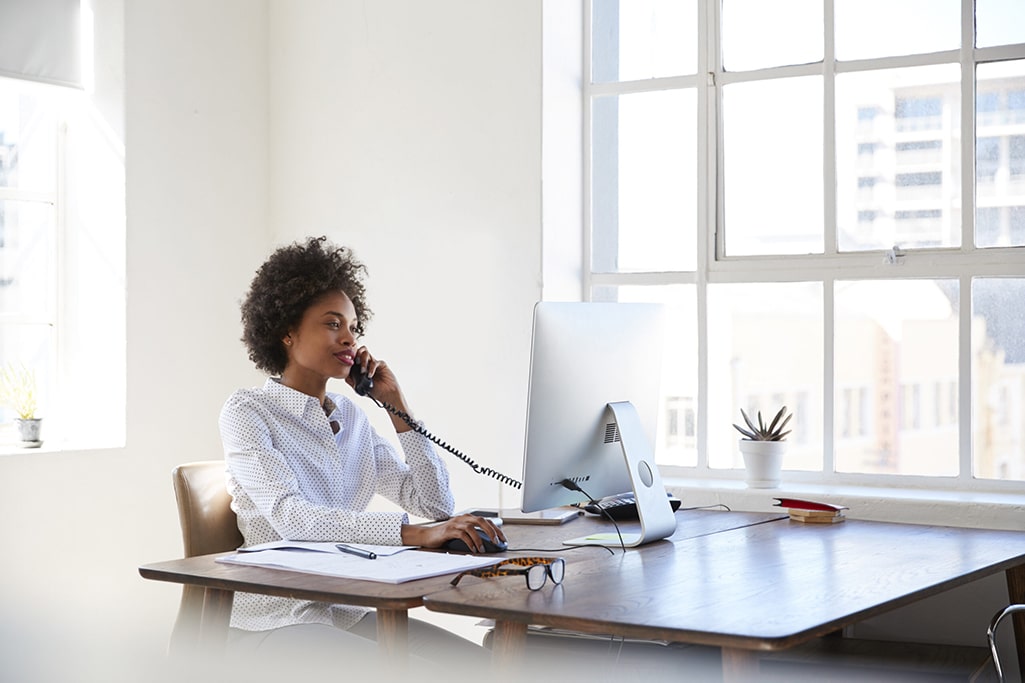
{"x": 894, "y": 257}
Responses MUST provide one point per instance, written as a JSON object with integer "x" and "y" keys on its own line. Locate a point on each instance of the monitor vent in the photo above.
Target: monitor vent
{"x": 611, "y": 433}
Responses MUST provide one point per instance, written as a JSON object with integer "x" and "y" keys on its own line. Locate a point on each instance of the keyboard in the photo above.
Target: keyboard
{"x": 622, "y": 507}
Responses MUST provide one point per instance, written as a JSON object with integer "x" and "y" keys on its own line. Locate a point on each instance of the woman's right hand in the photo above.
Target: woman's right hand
{"x": 463, "y": 527}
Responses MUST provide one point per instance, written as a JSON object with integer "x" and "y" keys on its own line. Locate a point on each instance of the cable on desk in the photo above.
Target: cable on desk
{"x": 573, "y": 486}
{"x": 724, "y": 506}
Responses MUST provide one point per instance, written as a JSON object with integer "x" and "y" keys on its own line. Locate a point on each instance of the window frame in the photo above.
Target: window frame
{"x": 962, "y": 263}
{"x": 49, "y": 314}
{"x": 82, "y": 388}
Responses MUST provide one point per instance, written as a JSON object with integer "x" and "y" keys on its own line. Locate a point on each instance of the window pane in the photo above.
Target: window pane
{"x": 896, "y": 369}
{"x": 907, "y": 190}
{"x": 884, "y": 28}
{"x": 27, "y": 274}
{"x": 998, "y": 369}
{"x": 767, "y": 353}
{"x": 999, "y": 22}
{"x": 758, "y": 34}
{"x": 676, "y": 441}
{"x": 644, "y": 186}
{"x": 1000, "y": 154}
{"x": 27, "y": 142}
{"x": 643, "y": 39}
{"x": 772, "y": 165}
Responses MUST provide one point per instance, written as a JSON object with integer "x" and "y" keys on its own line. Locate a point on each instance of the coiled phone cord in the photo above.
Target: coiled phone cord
{"x": 420, "y": 429}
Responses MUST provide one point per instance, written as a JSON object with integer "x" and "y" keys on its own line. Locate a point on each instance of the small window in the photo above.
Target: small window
{"x": 918, "y": 179}
{"x": 917, "y": 107}
{"x": 987, "y": 102}
{"x": 867, "y": 113}
{"x": 1016, "y": 155}
{"x": 1016, "y": 100}
{"x": 918, "y": 215}
{"x": 919, "y": 145}
{"x": 987, "y": 158}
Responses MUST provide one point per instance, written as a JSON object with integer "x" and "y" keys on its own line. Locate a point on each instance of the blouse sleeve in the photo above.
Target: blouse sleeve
{"x": 421, "y": 483}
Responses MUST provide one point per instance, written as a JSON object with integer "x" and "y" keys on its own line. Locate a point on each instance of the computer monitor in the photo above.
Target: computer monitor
{"x": 592, "y": 404}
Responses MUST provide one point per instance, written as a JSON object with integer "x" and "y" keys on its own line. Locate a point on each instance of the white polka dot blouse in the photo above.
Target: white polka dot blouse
{"x": 292, "y": 477}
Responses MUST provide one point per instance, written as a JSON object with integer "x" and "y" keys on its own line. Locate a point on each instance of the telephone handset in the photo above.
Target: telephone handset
{"x": 363, "y": 385}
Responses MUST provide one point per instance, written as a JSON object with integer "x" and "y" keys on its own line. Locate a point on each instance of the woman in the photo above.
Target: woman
{"x": 303, "y": 463}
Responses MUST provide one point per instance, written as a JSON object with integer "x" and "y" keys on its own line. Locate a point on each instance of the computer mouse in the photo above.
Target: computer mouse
{"x": 459, "y": 545}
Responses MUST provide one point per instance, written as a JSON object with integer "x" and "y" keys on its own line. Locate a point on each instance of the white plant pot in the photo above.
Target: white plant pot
{"x": 763, "y": 461}
{"x": 30, "y": 431}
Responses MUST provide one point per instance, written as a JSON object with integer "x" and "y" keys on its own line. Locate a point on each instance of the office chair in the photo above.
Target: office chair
{"x": 991, "y": 635}
{"x": 208, "y": 525}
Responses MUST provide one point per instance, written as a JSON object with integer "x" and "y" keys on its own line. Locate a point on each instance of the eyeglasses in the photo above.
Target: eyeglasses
{"x": 537, "y": 570}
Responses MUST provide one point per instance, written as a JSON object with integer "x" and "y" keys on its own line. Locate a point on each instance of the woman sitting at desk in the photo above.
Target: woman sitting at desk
{"x": 303, "y": 463}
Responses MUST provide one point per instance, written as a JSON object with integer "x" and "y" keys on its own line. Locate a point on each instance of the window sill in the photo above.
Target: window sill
{"x": 912, "y": 506}
{"x": 15, "y": 448}
{"x": 12, "y": 447}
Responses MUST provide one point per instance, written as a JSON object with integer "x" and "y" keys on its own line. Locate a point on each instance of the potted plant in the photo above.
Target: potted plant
{"x": 18, "y": 391}
{"x": 763, "y": 446}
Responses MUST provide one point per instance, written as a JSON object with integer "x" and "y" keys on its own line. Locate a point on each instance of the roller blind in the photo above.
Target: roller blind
{"x": 40, "y": 40}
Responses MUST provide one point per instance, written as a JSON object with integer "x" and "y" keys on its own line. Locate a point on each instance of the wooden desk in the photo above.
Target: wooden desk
{"x": 758, "y": 588}
{"x": 392, "y": 601}
{"x": 220, "y": 581}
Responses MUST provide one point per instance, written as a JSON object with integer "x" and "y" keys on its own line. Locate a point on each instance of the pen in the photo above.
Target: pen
{"x": 359, "y": 552}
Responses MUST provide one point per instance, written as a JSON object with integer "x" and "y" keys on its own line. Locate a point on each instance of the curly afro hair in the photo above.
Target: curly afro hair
{"x": 288, "y": 282}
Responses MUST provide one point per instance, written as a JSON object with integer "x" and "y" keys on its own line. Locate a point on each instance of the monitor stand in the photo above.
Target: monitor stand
{"x": 653, "y": 509}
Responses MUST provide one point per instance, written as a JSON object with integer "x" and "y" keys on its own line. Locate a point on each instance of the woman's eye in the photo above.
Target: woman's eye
{"x": 334, "y": 325}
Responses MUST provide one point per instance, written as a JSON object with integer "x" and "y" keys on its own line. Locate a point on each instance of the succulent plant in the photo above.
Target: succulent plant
{"x": 18, "y": 390}
{"x": 762, "y": 432}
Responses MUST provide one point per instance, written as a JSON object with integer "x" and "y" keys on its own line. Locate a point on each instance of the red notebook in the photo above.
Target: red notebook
{"x": 798, "y": 504}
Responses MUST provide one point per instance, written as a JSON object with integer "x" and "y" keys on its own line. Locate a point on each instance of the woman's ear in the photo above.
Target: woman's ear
{"x": 287, "y": 341}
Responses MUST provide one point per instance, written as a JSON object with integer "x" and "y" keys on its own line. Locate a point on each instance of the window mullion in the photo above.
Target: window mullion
{"x": 964, "y": 391}
{"x": 588, "y": 149}
{"x": 708, "y": 49}
{"x": 967, "y": 125}
{"x": 828, "y": 378}
{"x": 964, "y": 418}
{"x": 829, "y": 132}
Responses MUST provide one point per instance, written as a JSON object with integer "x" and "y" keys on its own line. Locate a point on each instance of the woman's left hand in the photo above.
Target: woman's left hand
{"x": 386, "y": 386}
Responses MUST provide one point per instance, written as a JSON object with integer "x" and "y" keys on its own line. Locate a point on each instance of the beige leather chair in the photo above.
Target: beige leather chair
{"x": 208, "y": 525}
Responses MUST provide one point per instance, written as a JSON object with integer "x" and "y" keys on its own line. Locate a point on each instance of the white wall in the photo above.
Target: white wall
{"x": 411, "y": 132}
{"x": 412, "y": 135}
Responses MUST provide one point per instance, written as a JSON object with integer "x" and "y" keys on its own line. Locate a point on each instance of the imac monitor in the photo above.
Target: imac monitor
{"x": 592, "y": 404}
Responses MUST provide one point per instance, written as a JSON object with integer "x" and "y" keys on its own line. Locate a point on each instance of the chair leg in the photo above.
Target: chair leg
{"x": 991, "y": 635}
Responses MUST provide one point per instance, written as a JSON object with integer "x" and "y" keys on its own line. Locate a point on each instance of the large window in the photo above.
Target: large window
{"x": 62, "y": 235}
{"x": 831, "y": 201}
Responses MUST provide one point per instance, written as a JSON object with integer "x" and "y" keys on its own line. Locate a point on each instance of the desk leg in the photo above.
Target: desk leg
{"x": 1016, "y": 595}
{"x": 215, "y": 618}
{"x": 393, "y": 635}
{"x": 739, "y": 665}
{"x": 508, "y": 646}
